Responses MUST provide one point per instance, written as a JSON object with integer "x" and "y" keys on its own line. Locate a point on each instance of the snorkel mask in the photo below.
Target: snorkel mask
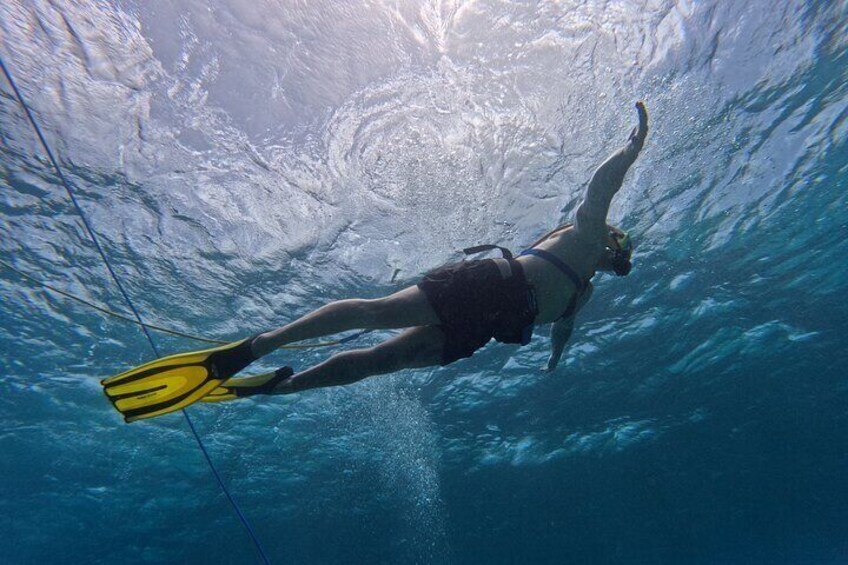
{"x": 620, "y": 250}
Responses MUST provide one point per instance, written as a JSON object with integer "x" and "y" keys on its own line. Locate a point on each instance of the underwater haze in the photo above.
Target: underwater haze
{"x": 244, "y": 162}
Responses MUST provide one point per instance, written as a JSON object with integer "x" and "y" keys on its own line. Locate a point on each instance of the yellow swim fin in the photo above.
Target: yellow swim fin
{"x": 171, "y": 383}
{"x": 248, "y": 386}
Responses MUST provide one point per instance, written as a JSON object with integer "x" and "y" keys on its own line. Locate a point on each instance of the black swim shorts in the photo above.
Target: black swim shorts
{"x": 480, "y": 300}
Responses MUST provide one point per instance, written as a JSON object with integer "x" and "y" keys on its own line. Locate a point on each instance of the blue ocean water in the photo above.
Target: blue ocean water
{"x": 245, "y": 162}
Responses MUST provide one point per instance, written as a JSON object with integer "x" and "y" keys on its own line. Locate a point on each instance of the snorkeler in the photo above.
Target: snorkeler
{"x": 452, "y": 312}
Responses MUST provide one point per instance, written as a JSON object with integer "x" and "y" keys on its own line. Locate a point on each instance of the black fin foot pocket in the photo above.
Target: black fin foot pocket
{"x": 226, "y": 363}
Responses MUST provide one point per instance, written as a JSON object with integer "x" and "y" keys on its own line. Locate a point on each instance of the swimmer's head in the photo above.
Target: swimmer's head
{"x": 619, "y": 250}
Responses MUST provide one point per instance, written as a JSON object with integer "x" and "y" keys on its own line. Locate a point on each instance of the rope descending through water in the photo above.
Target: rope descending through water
{"x": 164, "y": 330}
{"x": 132, "y": 307}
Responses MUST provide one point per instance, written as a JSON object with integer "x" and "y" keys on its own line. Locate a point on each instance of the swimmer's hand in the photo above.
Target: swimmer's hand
{"x": 551, "y": 366}
{"x": 637, "y": 136}
{"x": 560, "y": 334}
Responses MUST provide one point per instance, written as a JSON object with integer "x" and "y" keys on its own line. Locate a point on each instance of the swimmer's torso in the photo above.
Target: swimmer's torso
{"x": 554, "y": 290}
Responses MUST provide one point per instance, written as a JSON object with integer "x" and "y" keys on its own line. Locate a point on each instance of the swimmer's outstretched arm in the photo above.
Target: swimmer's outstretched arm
{"x": 592, "y": 213}
{"x": 561, "y": 331}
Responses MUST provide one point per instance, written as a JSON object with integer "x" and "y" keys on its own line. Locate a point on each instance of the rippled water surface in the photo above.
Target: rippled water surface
{"x": 244, "y": 162}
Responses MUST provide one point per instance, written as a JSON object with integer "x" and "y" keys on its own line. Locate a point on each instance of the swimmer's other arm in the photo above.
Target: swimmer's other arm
{"x": 560, "y": 333}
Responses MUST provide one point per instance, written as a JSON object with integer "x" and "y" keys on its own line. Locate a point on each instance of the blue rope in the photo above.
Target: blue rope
{"x": 353, "y": 336}
{"x": 115, "y": 278}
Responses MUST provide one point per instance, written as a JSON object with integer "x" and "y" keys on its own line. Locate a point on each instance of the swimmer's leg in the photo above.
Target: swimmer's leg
{"x": 414, "y": 348}
{"x": 592, "y": 213}
{"x": 406, "y": 308}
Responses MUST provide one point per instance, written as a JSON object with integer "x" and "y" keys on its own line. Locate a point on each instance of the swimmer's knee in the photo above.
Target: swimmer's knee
{"x": 376, "y": 360}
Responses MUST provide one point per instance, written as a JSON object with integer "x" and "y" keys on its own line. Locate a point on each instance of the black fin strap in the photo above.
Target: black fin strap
{"x": 227, "y": 362}
{"x": 268, "y": 387}
{"x": 507, "y": 254}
